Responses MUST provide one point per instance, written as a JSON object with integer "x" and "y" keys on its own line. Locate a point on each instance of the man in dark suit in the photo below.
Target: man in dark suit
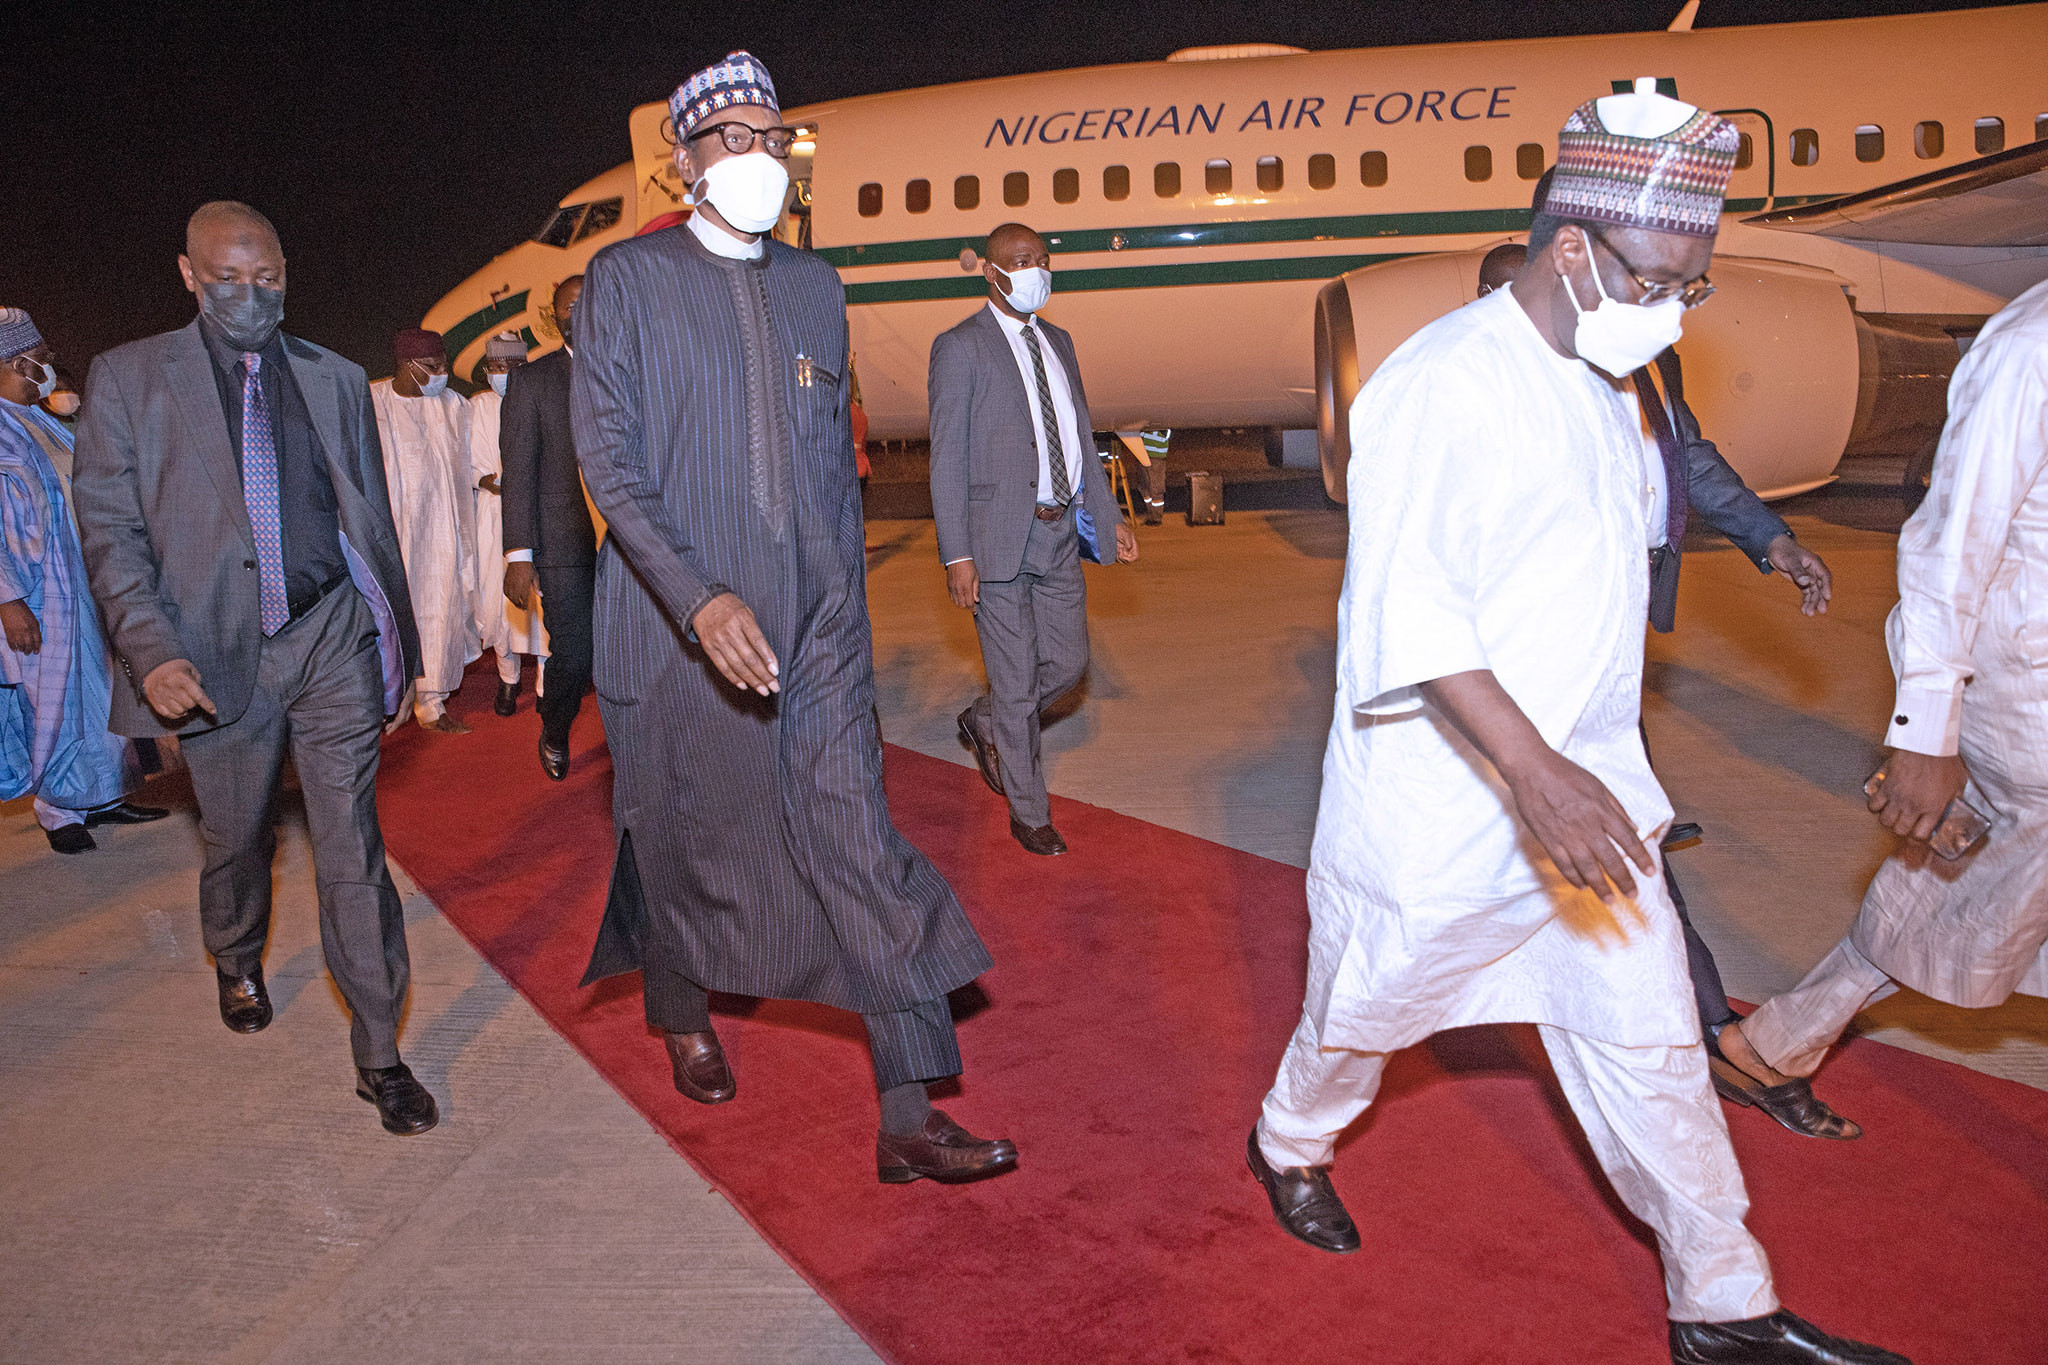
{"x": 550, "y": 541}
{"x": 1013, "y": 467}
{"x": 239, "y": 540}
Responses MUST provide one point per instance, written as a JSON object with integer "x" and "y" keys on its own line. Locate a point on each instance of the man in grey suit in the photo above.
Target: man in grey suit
{"x": 1013, "y": 469}
{"x": 238, "y": 537}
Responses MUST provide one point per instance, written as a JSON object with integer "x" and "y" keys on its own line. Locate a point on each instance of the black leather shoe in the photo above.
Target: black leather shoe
{"x": 71, "y": 838}
{"x": 984, "y": 751}
{"x": 553, "y": 761}
{"x": 402, "y": 1102}
{"x": 697, "y": 1063}
{"x": 1044, "y": 841}
{"x": 507, "y": 703}
{"x": 1780, "y": 1339}
{"x": 244, "y": 1003}
{"x": 1792, "y": 1103}
{"x": 124, "y": 813}
{"x": 943, "y": 1151}
{"x": 1304, "y": 1201}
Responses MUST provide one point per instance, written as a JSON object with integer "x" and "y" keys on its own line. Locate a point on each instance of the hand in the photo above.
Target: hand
{"x": 1806, "y": 570}
{"x": 404, "y": 711}
{"x": 24, "y": 632}
{"x": 520, "y": 581}
{"x": 1580, "y": 825}
{"x": 733, "y": 639}
{"x": 963, "y": 583}
{"x": 489, "y": 483}
{"x": 172, "y": 690}
{"x": 1126, "y": 543}
{"x": 1916, "y": 791}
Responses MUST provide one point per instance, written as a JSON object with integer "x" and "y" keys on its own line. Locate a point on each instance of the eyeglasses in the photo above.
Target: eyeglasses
{"x": 740, "y": 138}
{"x": 1690, "y": 294}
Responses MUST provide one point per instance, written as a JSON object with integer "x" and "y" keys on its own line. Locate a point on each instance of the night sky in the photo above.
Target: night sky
{"x": 399, "y": 147}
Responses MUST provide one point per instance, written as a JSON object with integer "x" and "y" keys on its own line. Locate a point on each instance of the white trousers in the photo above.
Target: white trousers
{"x": 508, "y": 669}
{"x": 56, "y": 817}
{"x": 1651, "y": 1118}
{"x": 1794, "y": 1031}
{"x": 428, "y": 707}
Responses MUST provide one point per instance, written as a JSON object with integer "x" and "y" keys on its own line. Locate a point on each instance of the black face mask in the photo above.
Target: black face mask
{"x": 246, "y": 314}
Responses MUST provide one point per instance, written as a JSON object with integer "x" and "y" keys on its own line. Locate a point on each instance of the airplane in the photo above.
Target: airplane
{"x": 1242, "y": 233}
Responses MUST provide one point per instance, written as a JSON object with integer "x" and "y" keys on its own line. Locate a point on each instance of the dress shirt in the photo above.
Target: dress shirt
{"x": 1073, "y": 441}
{"x": 309, "y": 519}
{"x": 719, "y": 242}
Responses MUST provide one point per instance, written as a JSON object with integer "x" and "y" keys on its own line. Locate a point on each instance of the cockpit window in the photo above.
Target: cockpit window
{"x": 603, "y": 216}
{"x": 560, "y": 228}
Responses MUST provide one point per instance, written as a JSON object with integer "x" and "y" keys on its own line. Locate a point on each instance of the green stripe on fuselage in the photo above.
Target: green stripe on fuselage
{"x": 482, "y": 320}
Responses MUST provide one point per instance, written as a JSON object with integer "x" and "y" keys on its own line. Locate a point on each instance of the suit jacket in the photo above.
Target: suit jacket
{"x": 166, "y": 530}
{"x": 984, "y": 461}
{"x": 1699, "y": 477}
{"x": 543, "y": 490}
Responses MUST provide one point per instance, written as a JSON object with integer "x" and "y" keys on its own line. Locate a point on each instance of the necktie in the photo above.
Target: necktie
{"x": 259, "y": 492}
{"x": 1055, "y": 457}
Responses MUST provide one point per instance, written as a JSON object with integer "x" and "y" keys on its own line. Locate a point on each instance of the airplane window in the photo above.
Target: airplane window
{"x": 1529, "y": 160}
{"x": 1372, "y": 169}
{"x": 967, "y": 192}
{"x": 1066, "y": 186}
{"x": 560, "y": 228}
{"x": 1166, "y": 179}
{"x": 1478, "y": 163}
{"x": 1805, "y": 146}
{"x": 1017, "y": 189}
{"x": 1990, "y": 136}
{"x": 1271, "y": 174}
{"x": 2041, "y": 127}
{"x": 1745, "y": 152}
{"x": 1216, "y": 177}
{"x": 1322, "y": 171}
{"x": 870, "y": 200}
{"x": 1116, "y": 182}
{"x": 917, "y": 196}
{"x": 1927, "y": 140}
{"x": 1870, "y": 143}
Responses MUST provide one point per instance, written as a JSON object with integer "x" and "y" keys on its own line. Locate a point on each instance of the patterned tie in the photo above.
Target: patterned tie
{"x": 1056, "y": 458}
{"x": 259, "y": 491}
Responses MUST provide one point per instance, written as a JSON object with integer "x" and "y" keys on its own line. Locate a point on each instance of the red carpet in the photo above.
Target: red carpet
{"x": 1143, "y": 988}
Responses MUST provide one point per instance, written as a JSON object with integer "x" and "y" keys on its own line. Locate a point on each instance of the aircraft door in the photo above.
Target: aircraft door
{"x": 1754, "y": 183}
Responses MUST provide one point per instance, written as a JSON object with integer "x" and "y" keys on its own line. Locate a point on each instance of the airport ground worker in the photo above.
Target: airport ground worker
{"x": 505, "y": 628}
{"x": 1486, "y": 846}
{"x": 424, "y": 430}
{"x": 735, "y": 663}
{"x": 1969, "y": 646}
{"x": 55, "y": 692}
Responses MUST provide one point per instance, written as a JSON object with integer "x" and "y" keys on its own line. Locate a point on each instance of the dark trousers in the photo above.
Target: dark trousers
{"x": 1707, "y": 991}
{"x": 1034, "y": 645}
{"x": 319, "y": 696}
{"x": 568, "y": 596}
{"x": 917, "y": 1044}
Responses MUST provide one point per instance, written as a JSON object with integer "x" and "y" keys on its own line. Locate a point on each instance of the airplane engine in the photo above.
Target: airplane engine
{"x": 1771, "y": 361}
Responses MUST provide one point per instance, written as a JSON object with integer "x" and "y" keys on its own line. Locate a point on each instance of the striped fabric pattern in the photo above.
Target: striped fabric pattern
{"x": 1674, "y": 183}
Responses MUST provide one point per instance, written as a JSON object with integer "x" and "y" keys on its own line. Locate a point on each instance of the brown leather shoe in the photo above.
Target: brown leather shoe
{"x": 943, "y": 1151}
{"x": 1044, "y": 841}
{"x": 1304, "y": 1201}
{"x": 699, "y": 1066}
{"x": 984, "y": 751}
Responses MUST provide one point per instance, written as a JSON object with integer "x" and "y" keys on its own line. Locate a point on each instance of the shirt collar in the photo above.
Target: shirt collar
{"x": 1014, "y": 326}
{"x": 719, "y": 242}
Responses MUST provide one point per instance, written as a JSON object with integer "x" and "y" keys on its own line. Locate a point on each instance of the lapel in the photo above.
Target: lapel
{"x": 1672, "y": 451}
{"x": 321, "y": 390}
{"x": 1063, "y": 347}
{"x": 198, "y": 402}
{"x": 998, "y": 354}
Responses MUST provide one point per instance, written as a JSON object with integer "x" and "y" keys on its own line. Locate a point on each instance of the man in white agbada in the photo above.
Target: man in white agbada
{"x": 1969, "y": 645}
{"x": 508, "y": 631}
{"x": 425, "y": 432}
{"x": 1485, "y": 850}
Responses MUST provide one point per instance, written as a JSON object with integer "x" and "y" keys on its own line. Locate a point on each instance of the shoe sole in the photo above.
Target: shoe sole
{"x": 904, "y": 1175}
{"x": 256, "y": 1027}
{"x": 394, "y": 1129}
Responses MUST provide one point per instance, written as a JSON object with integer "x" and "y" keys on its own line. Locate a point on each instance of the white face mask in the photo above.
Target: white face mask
{"x": 1029, "y": 288}
{"x": 45, "y": 386}
{"x": 748, "y": 191}
{"x": 1621, "y": 338}
{"x": 498, "y": 384}
{"x": 433, "y": 386}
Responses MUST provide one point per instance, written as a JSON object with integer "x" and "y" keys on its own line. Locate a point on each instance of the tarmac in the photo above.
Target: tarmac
{"x": 174, "y": 1192}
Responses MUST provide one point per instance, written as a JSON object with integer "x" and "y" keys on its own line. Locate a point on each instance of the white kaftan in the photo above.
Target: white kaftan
{"x": 503, "y": 627}
{"x": 426, "y": 466}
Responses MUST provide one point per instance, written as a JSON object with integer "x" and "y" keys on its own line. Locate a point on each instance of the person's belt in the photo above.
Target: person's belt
{"x": 1044, "y": 513}
{"x": 301, "y": 606}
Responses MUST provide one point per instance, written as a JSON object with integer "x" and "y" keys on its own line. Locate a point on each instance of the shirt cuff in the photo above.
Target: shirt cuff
{"x": 519, "y": 556}
{"x": 1926, "y": 720}
{"x": 963, "y": 559}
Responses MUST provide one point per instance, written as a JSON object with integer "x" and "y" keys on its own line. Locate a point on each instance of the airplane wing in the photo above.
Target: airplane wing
{"x": 1999, "y": 200}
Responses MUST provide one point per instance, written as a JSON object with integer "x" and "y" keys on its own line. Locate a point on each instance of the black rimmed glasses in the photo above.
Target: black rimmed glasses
{"x": 739, "y": 138}
{"x": 1690, "y": 294}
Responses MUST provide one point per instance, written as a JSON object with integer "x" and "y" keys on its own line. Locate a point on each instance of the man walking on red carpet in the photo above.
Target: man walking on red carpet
{"x": 734, "y": 661}
{"x": 1485, "y": 850}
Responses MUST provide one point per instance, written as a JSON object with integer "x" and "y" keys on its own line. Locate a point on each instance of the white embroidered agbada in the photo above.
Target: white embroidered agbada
{"x": 1498, "y": 521}
{"x": 502, "y": 627}
{"x": 426, "y": 466}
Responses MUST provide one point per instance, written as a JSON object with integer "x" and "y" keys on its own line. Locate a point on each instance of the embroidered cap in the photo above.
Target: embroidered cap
{"x": 739, "y": 79}
{"x": 505, "y": 346}
{"x": 17, "y": 333}
{"x": 1644, "y": 160}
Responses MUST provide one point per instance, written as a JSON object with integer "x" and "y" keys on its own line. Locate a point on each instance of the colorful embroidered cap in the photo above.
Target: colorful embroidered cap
{"x": 1644, "y": 160}
{"x": 17, "y": 333}
{"x": 739, "y": 79}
